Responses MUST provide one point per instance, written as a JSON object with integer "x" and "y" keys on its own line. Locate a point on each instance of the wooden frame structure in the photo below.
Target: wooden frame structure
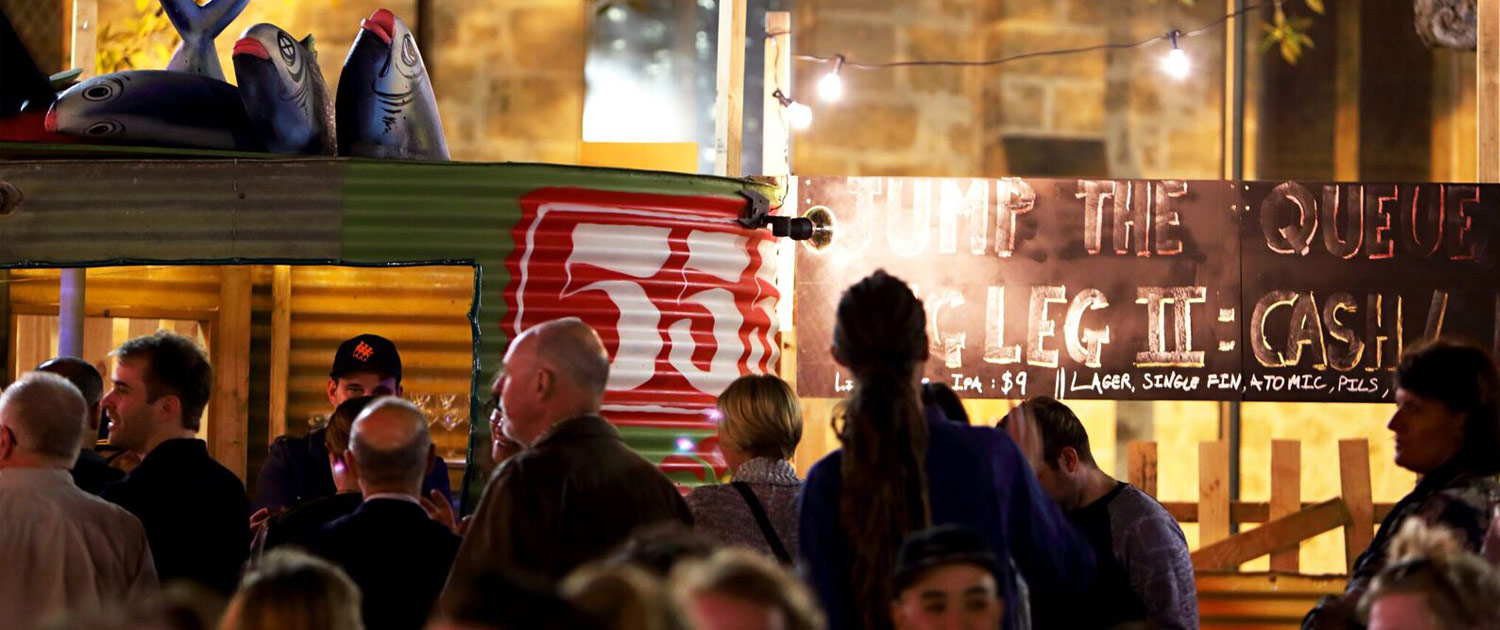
{"x": 1284, "y": 521}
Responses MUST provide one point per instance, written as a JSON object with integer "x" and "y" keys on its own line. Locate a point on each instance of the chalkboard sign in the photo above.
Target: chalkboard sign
{"x": 1130, "y": 289}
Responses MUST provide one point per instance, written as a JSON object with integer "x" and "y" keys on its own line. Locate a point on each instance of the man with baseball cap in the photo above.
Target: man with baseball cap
{"x": 947, "y": 578}
{"x": 299, "y": 469}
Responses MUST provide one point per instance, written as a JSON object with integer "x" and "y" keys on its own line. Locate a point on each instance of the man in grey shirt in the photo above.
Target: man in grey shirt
{"x": 1145, "y": 572}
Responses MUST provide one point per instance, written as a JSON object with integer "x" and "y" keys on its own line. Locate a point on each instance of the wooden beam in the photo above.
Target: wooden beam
{"x": 1213, "y": 492}
{"x": 1354, "y": 479}
{"x": 729, "y": 106}
{"x": 281, "y": 348}
{"x": 1142, "y": 471}
{"x": 84, "y": 46}
{"x": 1229, "y": 553}
{"x": 1286, "y": 495}
{"x": 776, "y": 143}
{"x": 1346, "y": 86}
{"x": 230, "y": 408}
{"x": 1250, "y": 511}
{"x": 1487, "y": 77}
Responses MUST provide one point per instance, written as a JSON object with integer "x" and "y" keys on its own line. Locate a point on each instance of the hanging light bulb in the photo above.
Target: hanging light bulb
{"x": 799, "y": 116}
{"x": 831, "y": 86}
{"x": 1175, "y": 64}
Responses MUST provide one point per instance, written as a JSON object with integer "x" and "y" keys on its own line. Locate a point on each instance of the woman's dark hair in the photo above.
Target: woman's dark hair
{"x": 1464, "y": 378}
{"x": 881, "y": 335}
{"x": 342, "y": 422}
{"x": 940, "y": 395}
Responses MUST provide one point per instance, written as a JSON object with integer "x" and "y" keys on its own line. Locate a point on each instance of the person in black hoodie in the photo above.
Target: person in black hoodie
{"x": 397, "y": 555}
{"x": 194, "y": 509}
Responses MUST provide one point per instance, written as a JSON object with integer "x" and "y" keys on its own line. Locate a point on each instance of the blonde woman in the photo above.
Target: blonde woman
{"x": 760, "y": 425}
{"x": 738, "y": 589}
{"x": 291, "y": 590}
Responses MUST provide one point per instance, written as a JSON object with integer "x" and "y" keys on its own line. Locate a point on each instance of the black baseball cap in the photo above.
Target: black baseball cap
{"x": 941, "y": 545}
{"x": 366, "y": 353}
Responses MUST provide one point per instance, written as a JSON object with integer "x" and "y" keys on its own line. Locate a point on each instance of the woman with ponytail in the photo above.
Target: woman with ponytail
{"x": 904, "y": 468}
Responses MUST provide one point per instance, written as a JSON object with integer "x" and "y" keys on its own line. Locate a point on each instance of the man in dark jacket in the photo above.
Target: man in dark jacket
{"x": 91, "y": 472}
{"x": 297, "y": 469}
{"x": 194, "y": 510}
{"x": 396, "y": 554}
{"x": 577, "y": 491}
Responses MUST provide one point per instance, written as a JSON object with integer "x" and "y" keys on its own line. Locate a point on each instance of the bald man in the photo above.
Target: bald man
{"x": 91, "y": 473}
{"x": 576, "y": 491}
{"x": 396, "y": 554}
{"x": 62, "y": 547}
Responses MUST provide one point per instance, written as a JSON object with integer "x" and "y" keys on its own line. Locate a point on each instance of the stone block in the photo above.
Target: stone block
{"x": 1030, "y": 10}
{"x": 1078, "y": 109}
{"x": 859, "y": 39}
{"x": 1015, "y": 104}
{"x": 864, "y": 127}
{"x": 552, "y": 37}
{"x": 1010, "y": 40}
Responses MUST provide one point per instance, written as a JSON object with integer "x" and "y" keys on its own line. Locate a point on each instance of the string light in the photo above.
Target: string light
{"x": 799, "y": 116}
{"x": 839, "y": 61}
{"x": 1175, "y": 64}
{"x": 831, "y": 86}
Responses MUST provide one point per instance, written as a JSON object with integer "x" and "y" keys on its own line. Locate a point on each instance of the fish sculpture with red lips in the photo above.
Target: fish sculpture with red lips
{"x": 283, "y": 91}
{"x": 386, "y": 107}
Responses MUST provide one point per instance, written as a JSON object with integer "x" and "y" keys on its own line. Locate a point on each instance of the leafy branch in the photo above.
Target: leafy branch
{"x": 148, "y": 36}
{"x": 1289, "y": 34}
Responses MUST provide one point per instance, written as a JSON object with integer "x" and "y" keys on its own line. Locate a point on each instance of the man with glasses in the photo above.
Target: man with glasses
{"x": 576, "y": 491}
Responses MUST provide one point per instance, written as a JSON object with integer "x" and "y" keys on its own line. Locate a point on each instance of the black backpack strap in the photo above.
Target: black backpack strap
{"x": 764, "y": 521}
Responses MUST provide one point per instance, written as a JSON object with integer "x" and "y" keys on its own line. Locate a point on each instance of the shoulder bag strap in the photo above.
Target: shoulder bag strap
{"x": 765, "y": 522}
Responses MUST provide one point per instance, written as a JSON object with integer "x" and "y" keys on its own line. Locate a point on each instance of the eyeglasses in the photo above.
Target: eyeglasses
{"x": 491, "y": 410}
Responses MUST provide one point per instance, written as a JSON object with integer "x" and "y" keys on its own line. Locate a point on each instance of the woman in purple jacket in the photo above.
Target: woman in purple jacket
{"x": 903, "y": 469}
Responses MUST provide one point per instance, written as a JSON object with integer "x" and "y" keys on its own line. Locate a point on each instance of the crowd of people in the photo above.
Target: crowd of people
{"x": 921, "y": 520}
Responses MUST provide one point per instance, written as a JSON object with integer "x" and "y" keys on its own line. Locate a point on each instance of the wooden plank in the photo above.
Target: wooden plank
{"x": 1229, "y": 553}
{"x": 1487, "y": 77}
{"x": 729, "y": 106}
{"x": 1354, "y": 479}
{"x": 281, "y": 348}
{"x": 85, "y": 36}
{"x": 1250, "y": 511}
{"x": 1142, "y": 471}
{"x": 1346, "y": 85}
{"x": 1213, "y": 492}
{"x": 230, "y": 354}
{"x": 776, "y": 143}
{"x": 1286, "y": 495}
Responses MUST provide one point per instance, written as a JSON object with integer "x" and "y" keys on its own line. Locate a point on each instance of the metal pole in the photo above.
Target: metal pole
{"x": 1234, "y": 57}
{"x": 70, "y": 314}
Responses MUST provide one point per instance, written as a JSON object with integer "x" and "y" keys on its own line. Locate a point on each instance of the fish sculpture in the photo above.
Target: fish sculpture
{"x": 198, "y": 26}
{"x": 284, "y": 93}
{"x": 155, "y": 107}
{"x": 386, "y": 108}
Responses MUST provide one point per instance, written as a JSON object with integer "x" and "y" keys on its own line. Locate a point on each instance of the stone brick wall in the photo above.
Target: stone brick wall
{"x": 1098, "y": 114}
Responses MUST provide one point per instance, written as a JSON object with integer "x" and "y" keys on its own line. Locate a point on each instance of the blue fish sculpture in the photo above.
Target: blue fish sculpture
{"x": 155, "y": 107}
{"x": 284, "y": 92}
{"x": 198, "y": 26}
{"x": 386, "y": 108}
